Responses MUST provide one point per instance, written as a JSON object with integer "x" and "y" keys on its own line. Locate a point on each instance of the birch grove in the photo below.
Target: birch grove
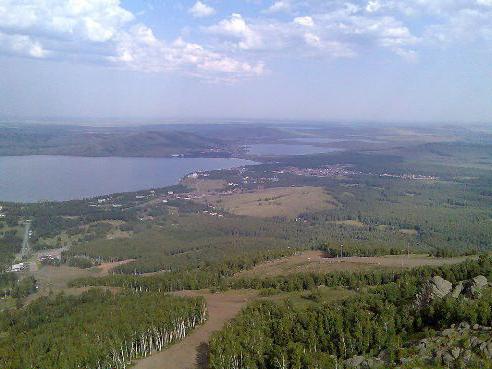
{"x": 97, "y": 330}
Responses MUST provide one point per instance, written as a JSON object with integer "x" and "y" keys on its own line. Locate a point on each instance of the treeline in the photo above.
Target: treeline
{"x": 12, "y": 286}
{"x": 278, "y": 335}
{"x": 10, "y": 244}
{"x": 97, "y": 329}
{"x": 191, "y": 241}
{"x": 354, "y": 280}
{"x": 210, "y": 275}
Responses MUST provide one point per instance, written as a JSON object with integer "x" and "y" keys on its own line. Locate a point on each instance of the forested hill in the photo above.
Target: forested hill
{"x": 112, "y": 142}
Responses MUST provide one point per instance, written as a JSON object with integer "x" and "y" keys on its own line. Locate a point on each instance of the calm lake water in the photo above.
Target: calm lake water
{"x": 322, "y": 140}
{"x": 36, "y": 178}
{"x": 286, "y": 149}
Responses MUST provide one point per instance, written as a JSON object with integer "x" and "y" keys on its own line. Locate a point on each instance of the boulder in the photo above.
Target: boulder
{"x": 475, "y": 342}
{"x": 486, "y": 349}
{"x": 447, "y": 359}
{"x": 457, "y": 290}
{"x": 476, "y": 285}
{"x": 355, "y": 362}
{"x": 455, "y": 352}
{"x": 436, "y": 288}
{"x": 440, "y": 287}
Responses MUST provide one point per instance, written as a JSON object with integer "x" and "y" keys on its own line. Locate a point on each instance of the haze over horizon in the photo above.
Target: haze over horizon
{"x": 376, "y": 60}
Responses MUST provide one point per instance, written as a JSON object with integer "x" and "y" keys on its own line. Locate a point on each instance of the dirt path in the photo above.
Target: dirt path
{"x": 191, "y": 353}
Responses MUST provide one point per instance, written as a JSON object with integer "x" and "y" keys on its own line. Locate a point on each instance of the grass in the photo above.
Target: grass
{"x": 304, "y": 299}
{"x": 204, "y": 185}
{"x": 279, "y": 201}
{"x": 7, "y": 303}
{"x": 313, "y": 261}
{"x": 350, "y": 223}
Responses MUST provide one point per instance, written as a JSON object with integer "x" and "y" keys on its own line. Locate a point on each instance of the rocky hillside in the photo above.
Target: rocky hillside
{"x": 458, "y": 346}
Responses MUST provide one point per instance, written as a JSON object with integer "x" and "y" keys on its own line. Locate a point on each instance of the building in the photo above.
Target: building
{"x": 18, "y": 267}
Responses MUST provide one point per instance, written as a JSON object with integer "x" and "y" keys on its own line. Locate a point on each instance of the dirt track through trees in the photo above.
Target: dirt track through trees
{"x": 192, "y": 352}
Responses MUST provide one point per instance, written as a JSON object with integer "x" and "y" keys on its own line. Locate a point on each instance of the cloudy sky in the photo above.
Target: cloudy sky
{"x": 361, "y": 60}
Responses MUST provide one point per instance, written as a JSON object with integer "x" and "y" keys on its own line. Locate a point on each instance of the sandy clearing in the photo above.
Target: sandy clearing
{"x": 276, "y": 201}
{"x": 105, "y": 268}
{"x": 314, "y": 261}
{"x": 191, "y": 353}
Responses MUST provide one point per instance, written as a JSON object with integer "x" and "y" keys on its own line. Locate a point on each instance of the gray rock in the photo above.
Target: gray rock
{"x": 464, "y": 325}
{"x": 475, "y": 342}
{"x": 447, "y": 332}
{"x": 355, "y": 362}
{"x": 440, "y": 286}
{"x": 436, "y": 288}
{"x": 486, "y": 349}
{"x": 477, "y": 285}
{"x": 455, "y": 352}
{"x": 457, "y": 290}
{"x": 374, "y": 363}
{"x": 447, "y": 359}
{"x": 489, "y": 350}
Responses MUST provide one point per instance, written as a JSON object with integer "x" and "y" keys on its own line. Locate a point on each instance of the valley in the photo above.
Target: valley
{"x": 292, "y": 237}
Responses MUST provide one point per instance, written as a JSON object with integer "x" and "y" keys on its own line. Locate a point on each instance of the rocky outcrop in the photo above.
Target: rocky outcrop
{"x": 360, "y": 362}
{"x": 475, "y": 286}
{"x": 437, "y": 288}
{"x": 457, "y": 290}
{"x": 459, "y": 346}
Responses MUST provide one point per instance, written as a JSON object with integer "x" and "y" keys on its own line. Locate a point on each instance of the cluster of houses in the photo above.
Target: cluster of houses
{"x": 2, "y": 215}
{"x": 48, "y": 259}
{"x": 414, "y": 177}
{"x": 337, "y": 170}
{"x": 213, "y": 213}
{"x": 340, "y": 170}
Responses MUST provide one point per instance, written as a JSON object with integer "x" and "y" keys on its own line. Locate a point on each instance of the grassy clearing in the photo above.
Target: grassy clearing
{"x": 204, "y": 185}
{"x": 56, "y": 278}
{"x": 280, "y": 201}
{"x": 304, "y": 299}
{"x": 314, "y": 261}
{"x": 350, "y": 223}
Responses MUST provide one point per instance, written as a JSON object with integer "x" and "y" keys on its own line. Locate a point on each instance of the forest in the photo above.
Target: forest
{"x": 379, "y": 320}
{"x": 98, "y": 329}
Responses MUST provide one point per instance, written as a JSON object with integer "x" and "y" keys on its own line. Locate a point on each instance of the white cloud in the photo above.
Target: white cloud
{"x": 103, "y": 32}
{"x": 337, "y": 32}
{"x": 201, "y": 10}
{"x": 279, "y": 6}
{"x": 304, "y": 21}
{"x": 373, "y": 6}
{"x": 21, "y": 45}
{"x": 236, "y": 28}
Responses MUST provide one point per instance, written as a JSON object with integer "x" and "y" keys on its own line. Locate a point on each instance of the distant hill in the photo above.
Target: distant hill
{"x": 112, "y": 142}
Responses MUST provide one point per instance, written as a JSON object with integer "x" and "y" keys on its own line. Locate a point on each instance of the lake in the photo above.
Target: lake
{"x": 37, "y": 178}
{"x": 322, "y": 140}
{"x": 287, "y": 149}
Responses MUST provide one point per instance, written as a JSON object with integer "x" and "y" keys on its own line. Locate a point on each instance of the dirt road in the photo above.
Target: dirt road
{"x": 191, "y": 353}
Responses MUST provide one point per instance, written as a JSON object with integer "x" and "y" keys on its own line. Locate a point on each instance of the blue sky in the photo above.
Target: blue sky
{"x": 364, "y": 60}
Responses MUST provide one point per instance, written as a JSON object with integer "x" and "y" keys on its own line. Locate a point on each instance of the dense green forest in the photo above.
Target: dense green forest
{"x": 98, "y": 329}
{"x": 279, "y": 335}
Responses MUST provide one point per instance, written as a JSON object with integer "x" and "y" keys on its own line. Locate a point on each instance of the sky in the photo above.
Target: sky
{"x": 360, "y": 60}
